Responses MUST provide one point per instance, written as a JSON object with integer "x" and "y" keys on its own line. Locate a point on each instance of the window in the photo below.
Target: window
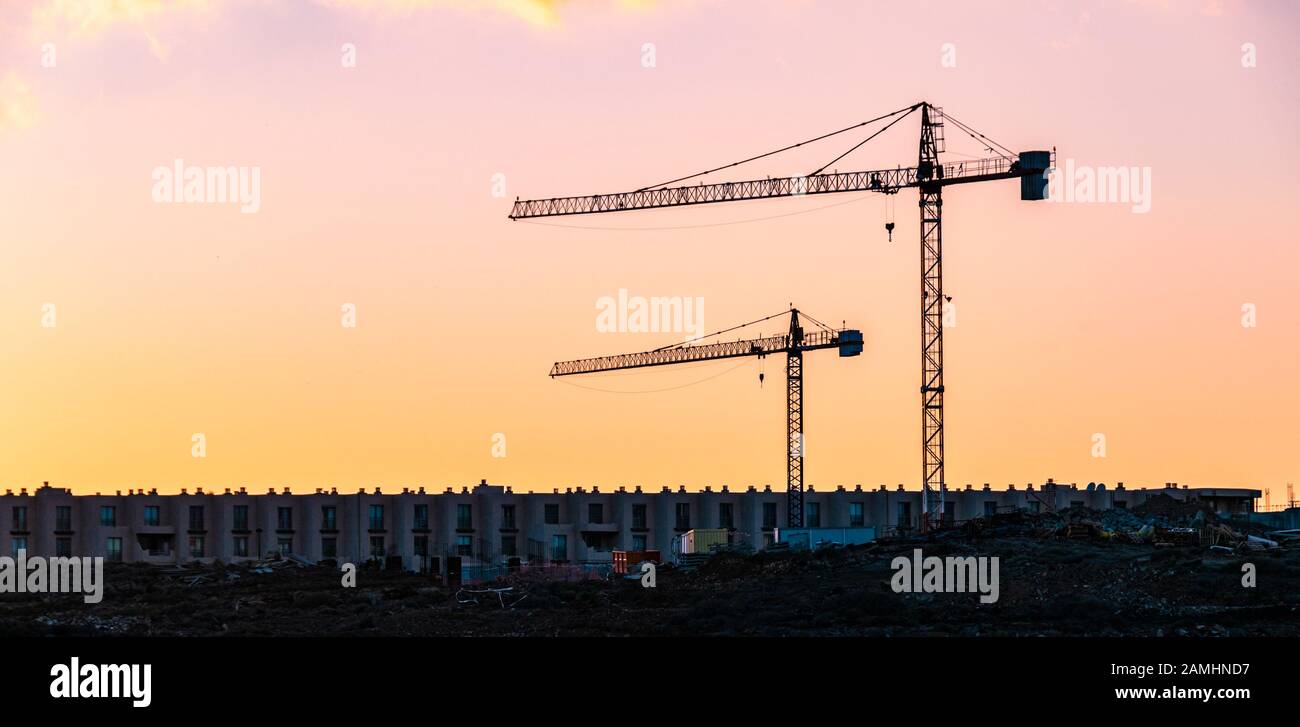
{"x": 683, "y": 516}
{"x": 284, "y": 545}
{"x": 1034, "y": 506}
{"x": 638, "y": 516}
{"x": 63, "y": 547}
{"x": 20, "y": 517}
{"x": 552, "y": 514}
{"x": 638, "y": 542}
{"x": 508, "y": 517}
{"x": 241, "y": 546}
{"x": 725, "y": 517}
{"x": 17, "y": 545}
{"x": 108, "y": 518}
{"x": 856, "y": 517}
{"x": 196, "y": 517}
{"x": 769, "y": 515}
{"x": 241, "y": 517}
{"x": 376, "y": 517}
{"x": 949, "y": 512}
{"x": 422, "y": 545}
{"x": 328, "y": 519}
{"x": 595, "y": 513}
{"x": 196, "y": 546}
{"x": 1121, "y": 504}
{"x": 464, "y": 517}
{"x": 508, "y": 545}
{"x": 376, "y": 546}
{"x": 421, "y": 517}
{"x": 813, "y": 514}
{"x": 768, "y": 540}
{"x": 63, "y": 518}
{"x": 152, "y": 515}
{"x": 990, "y": 508}
{"x": 559, "y": 548}
{"x": 904, "y": 514}
{"x": 329, "y": 547}
{"x": 114, "y": 548}
{"x": 284, "y": 518}
{"x": 464, "y": 545}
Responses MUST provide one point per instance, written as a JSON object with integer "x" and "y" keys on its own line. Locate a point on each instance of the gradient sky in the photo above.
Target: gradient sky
{"x": 1072, "y": 319}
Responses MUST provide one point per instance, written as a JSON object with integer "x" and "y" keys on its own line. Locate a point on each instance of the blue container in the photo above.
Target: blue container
{"x": 813, "y": 538}
{"x": 850, "y": 342}
{"x": 1033, "y": 181}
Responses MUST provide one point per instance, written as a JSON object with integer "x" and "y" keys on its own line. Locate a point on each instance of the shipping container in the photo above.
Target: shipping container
{"x": 629, "y": 561}
{"x": 702, "y": 540}
{"x": 811, "y": 538}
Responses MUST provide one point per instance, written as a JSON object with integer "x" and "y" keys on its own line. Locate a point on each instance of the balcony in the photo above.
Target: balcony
{"x": 156, "y": 548}
{"x": 156, "y": 530}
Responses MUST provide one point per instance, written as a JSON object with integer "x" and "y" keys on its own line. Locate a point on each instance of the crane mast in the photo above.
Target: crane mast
{"x": 932, "y": 300}
{"x": 794, "y": 424}
{"x": 930, "y": 176}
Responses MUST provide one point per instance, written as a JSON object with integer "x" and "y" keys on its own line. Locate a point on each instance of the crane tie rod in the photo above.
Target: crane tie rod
{"x": 907, "y": 109}
{"x": 718, "y": 333}
{"x": 977, "y": 136}
{"x": 854, "y": 148}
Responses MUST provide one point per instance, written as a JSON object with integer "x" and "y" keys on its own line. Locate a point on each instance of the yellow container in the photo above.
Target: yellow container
{"x": 701, "y": 540}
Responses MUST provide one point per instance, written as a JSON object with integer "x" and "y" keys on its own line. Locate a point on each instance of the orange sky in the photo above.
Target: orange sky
{"x": 376, "y": 191}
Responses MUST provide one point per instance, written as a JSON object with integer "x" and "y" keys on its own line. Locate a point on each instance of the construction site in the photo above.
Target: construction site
{"x": 1074, "y": 559}
{"x": 1165, "y": 568}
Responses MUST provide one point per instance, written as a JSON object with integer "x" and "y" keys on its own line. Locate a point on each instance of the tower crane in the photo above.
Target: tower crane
{"x": 793, "y": 344}
{"x": 929, "y": 176}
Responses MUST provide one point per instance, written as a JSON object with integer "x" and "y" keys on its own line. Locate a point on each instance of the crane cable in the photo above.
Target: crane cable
{"x": 977, "y": 136}
{"x": 825, "y": 327}
{"x": 854, "y": 148}
{"x": 718, "y": 333}
{"x": 908, "y": 109}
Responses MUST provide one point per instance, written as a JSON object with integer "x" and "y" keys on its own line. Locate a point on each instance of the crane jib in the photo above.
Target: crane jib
{"x": 885, "y": 181}
{"x": 848, "y": 341}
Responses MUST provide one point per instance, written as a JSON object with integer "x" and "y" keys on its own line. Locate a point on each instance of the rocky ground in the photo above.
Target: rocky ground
{"x": 1107, "y": 584}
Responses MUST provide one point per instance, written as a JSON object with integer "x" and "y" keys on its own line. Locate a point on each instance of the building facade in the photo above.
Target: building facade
{"x": 490, "y": 524}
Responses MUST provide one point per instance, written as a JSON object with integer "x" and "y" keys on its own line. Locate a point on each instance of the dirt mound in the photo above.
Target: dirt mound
{"x": 1166, "y": 510}
{"x": 1048, "y": 586}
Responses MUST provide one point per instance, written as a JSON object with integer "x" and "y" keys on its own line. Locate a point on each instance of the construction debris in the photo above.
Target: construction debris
{"x": 500, "y": 593}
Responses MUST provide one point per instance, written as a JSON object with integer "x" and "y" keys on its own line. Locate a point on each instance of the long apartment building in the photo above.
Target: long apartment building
{"x": 490, "y": 524}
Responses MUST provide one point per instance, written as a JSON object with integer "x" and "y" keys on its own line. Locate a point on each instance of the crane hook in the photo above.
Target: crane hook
{"x": 889, "y": 215}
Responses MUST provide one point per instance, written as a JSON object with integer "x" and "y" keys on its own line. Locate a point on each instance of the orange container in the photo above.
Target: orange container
{"x": 624, "y": 559}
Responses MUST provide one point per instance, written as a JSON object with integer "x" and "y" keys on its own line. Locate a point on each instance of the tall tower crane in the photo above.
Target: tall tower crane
{"x": 793, "y": 344}
{"x": 929, "y": 177}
